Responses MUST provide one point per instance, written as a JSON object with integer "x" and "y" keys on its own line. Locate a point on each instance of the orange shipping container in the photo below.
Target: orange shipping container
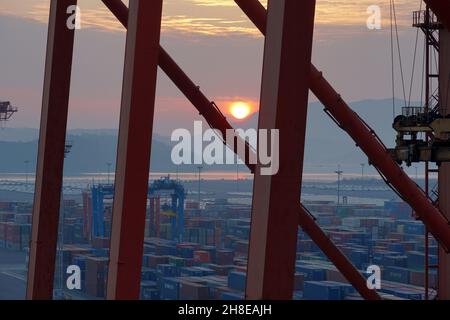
{"x": 202, "y": 256}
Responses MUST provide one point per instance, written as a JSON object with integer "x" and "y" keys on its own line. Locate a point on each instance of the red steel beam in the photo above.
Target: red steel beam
{"x": 213, "y": 116}
{"x": 134, "y": 148}
{"x": 284, "y": 97}
{"x": 366, "y": 139}
{"x": 441, "y": 9}
{"x": 444, "y": 168}
{"x": 191, "y": 91}
{"x": 49, "y": 175}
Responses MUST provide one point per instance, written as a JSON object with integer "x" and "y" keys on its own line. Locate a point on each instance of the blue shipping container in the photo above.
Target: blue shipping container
{"x": 167, "y": 270}
{"x": 316, "y": 290}
{"x": 150, "y": 294}
{"x": 312, "y": 273}
{"x": 231, "y": 296}
{"x": 396, "y": 274}
{"x": 396, "y": 247}
{"x": 190, "y": 272}
{"x": 170, "y": 289}
{"x": 236, "y": 280}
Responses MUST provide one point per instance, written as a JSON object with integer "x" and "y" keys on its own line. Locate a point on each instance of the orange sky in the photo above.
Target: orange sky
{"x": 212, "y": 40}
{"x": 214, "y": 17}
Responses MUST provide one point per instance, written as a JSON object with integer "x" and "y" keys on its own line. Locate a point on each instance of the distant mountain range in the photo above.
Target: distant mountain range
{"x": 326, "y": 147}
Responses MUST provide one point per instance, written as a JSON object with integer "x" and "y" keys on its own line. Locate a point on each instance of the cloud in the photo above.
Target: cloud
{"x": 223, "y": 18}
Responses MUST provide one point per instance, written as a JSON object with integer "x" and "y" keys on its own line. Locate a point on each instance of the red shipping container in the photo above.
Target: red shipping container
{"x": 299, "y": 280}
{"x": 100, "y": 243}
{"x": 417, "y": 278}
{"x": 224, "y": 257}
{"x": 153, "y": 260}
{"x": 2, "y": 230}
{"x": 193, "y": 291}
{"x": 96, "y": 275}
{"x": 202, "y": 256}
{"x": 4, "y": 205}
{"x": 241, "y": 247}
{"x": 340, "y": 236}
{"x": 12, "y": 232}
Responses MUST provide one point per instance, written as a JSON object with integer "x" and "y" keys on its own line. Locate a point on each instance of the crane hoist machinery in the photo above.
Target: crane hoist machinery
{"x": 421, "y": 136}
{"x": 423, "y": 132}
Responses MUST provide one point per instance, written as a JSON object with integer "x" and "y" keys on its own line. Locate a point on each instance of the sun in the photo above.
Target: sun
{"x": 240, "y": 110}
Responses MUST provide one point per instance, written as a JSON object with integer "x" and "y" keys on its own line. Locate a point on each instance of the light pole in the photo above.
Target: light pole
{"x": 339, "y": 172}
{"x": 199, "y": 179}
{"x": 237, "y": 177}
{"x": 109, "y": 164}
{"x": 27, "y": 162}
{"x": 362, "y": 169}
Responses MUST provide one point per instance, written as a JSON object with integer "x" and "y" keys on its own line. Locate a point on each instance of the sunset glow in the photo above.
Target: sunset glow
{"x": 240, "y": 110}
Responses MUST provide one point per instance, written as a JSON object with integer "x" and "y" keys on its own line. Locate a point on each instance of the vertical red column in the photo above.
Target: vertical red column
{"x": 50, "y": 163}
{"x": 284, "y": 100}
{"x": 135, "y": 138}
{"x": 444, "y": 169}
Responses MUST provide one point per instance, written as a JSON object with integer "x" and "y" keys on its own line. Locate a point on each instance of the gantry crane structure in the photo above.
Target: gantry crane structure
{"x": 277, "y": 213}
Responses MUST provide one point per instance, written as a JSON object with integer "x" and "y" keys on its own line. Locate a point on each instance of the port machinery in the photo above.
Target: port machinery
{"x": 422, "y": 136}
{"x": 277, "y": 211}
{"x": 7, "y": 110}
{"x": 94, "y": 208}
{"x": 175, "y": 212}
{"x": 423, "y": 132}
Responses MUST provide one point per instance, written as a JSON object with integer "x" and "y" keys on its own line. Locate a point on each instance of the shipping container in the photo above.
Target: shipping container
{"x": 224, "y": 257}
{"x": 202, "y": 256}
{"x": 150, "y": 294}
{"x": 96, "y": 275}
{"x": 193, "y": 291}
{"x": 220, "y": 270}
{"x": 395, "y": 261}
{"x": 177, "y": 261}
{"x": 190, "y": 272}
{"x": 321, "y": 290}
{"x": 416, "y": 260}
{"x": 299, "y": 279}
{"x": 312, "y": 273}
{"x": 232, "y": 296}
{"x": 396, "y": 274}
{"x": 237, "y": 280}
{"x": 167, "y": 270}
{"x": 170, "y": 288}
{"x": 151, "y": 260}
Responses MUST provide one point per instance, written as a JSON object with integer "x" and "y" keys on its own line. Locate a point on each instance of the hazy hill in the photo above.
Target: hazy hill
{"x": 327, "y": 145}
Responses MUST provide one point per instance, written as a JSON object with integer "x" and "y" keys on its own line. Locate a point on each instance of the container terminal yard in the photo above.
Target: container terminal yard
{"x": 273, "y": 236}
{"x": 206, "y": 258}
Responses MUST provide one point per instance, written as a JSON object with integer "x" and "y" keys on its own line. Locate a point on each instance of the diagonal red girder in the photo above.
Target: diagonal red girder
{"x": 205, "y": 107}
{"x": 441, "y": 9}
{"x": 366, "y": 139}
{"x": 217, "y": 121}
